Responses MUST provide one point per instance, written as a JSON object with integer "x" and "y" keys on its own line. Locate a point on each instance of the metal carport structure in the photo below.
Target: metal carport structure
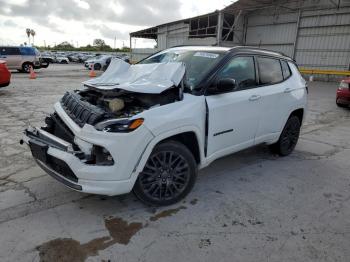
{"x": 316, "y": 33}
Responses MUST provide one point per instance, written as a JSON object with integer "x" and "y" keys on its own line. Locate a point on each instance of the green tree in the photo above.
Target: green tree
{"x": 65, "y": 46}
{"x": 99, "y": 43}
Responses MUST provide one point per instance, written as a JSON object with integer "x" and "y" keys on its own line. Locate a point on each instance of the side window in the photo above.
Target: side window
{"x": 285, "y": 69}
{"x": 242, "y": 69}
{"x": 154, "y": 59}
{"x": 13, "y": 51}
{"x": 27, "y": 51}
{"x": 270, "y": 71}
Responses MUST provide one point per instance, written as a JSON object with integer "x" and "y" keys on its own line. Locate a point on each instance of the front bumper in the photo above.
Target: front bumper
{"x": 65, "y": 163}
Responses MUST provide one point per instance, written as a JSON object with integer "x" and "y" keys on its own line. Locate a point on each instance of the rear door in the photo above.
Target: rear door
{"x": 233, "y": 117}
{"x": 276, "y": 85}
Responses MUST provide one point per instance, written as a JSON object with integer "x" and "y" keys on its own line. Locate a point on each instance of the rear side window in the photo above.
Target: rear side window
{"x": 270, "y": 71}
{"x": 241, "y": 69}
{"x": 27, "y": 51}
{"x": 285, "y": 70}
{"x": 9, "y": 51}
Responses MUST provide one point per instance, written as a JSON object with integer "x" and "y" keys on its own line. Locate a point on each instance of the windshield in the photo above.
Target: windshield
{"x": 198, "y": 63}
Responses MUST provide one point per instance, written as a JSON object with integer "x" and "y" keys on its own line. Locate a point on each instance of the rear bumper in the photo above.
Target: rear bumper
{"x": 343, "y": 97}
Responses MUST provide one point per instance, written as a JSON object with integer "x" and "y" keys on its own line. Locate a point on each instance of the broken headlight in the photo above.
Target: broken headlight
{"x": 120, "y": 125}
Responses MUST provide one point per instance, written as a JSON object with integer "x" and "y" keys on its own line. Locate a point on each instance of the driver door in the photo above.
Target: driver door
{"x": 233, "y": 117}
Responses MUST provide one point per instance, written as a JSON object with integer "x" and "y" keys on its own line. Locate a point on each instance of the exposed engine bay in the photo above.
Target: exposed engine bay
{"x": 124, "y": 91}
{"x": 128, "y": 104}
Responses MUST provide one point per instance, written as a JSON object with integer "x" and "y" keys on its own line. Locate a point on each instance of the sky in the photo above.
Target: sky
{"x": 81, "y": 21}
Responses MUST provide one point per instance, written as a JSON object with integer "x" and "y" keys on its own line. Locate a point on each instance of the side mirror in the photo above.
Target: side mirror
{"x": 226, "y": 85}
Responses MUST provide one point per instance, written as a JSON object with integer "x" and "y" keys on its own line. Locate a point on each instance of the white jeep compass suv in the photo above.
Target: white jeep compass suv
{"x": 149, "y": 127}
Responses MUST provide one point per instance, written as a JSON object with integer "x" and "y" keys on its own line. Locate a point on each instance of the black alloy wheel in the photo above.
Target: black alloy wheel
{"x": 288, "y": 138}
{"x": 168, "y": 176}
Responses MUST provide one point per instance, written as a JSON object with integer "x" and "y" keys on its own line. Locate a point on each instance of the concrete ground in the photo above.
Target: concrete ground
{"x": 251, "y": 206}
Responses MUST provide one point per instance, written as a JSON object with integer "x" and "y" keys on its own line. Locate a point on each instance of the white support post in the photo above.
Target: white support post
{"x": 219, "y": 29}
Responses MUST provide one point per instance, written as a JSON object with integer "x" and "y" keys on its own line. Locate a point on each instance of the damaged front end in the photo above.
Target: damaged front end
{"x": 123, "y": 92}
{"x": 84, "y": 139}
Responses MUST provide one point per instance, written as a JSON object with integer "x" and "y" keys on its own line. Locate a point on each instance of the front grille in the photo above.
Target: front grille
{"x": 60, "y": 129}
{"x": 61, "y": 168}
{"x": 80, "y": 111}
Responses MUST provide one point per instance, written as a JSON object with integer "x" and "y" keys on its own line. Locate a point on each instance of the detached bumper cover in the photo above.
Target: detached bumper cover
{"x": 57, "y": 176}
{"x": 39, "y": 143}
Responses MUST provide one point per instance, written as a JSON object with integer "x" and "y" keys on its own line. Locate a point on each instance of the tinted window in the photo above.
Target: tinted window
{"x": 9, "y": 51}
{"x": 285, "y": 70}
{"x": 270, "y": 71}
{"x": 241, "y": 69}
{"x": 27, "y": 51}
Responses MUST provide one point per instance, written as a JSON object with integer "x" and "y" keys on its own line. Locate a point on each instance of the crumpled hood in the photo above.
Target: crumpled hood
{"x": 139, "y": 78}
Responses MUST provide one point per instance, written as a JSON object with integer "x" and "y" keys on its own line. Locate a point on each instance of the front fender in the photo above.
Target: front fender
{"x": 163, "y": 136}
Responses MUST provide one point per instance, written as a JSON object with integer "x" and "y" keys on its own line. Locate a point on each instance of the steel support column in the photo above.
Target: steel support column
{"x": 296, "y": 35}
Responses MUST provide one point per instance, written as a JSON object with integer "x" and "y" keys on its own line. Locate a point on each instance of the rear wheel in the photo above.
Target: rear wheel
{"x": 288, "y": 138}
{"x": 168, "y": 176}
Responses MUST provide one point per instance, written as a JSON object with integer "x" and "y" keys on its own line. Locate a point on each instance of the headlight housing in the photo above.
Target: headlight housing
{"x": 119, "y": 125}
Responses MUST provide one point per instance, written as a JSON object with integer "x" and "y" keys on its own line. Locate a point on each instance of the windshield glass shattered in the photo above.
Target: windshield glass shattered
{"x": 198, "y": 63}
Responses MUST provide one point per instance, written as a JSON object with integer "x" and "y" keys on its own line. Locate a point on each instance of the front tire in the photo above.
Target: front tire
{"x": 168, "y": 176}
{"x": 97, "y": 66}
{"x": 26, "y": 67}
{"x": 288, "y": 138}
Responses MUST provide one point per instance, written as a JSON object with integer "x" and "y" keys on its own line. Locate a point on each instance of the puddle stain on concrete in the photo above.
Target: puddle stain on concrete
{"x": 166, "y": 213}
{"x": 67, "y": 249}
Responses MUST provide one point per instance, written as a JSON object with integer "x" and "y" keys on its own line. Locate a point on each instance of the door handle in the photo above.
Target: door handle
{"x": 288, "y": 90}
{"x": 254, "y": 97}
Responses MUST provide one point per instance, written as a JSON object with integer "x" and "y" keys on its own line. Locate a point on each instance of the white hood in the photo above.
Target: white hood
{"x": 139, "y": 78}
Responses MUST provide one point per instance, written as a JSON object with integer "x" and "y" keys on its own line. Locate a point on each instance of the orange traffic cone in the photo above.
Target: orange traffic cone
{"x": 32, "y": 74}
{"x": 92, "y": 72}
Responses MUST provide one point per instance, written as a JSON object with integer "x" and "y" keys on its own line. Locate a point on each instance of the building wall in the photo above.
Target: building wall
{"x": 317, "y": 39}
{"x": 169, "y": 36}
{"x": 316, "y": 33}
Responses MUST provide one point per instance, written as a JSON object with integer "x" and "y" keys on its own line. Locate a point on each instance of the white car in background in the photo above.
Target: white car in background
{"x": 99, "y": 62}
{"x": 62, "y": 59}
{"x": 149, "y": 127}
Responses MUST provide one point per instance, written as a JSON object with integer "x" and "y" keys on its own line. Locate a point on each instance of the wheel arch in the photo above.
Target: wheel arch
{"x": 298, "y": 113}
{"x": 183, "y": 135}
{"x": 188, "y": 139}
